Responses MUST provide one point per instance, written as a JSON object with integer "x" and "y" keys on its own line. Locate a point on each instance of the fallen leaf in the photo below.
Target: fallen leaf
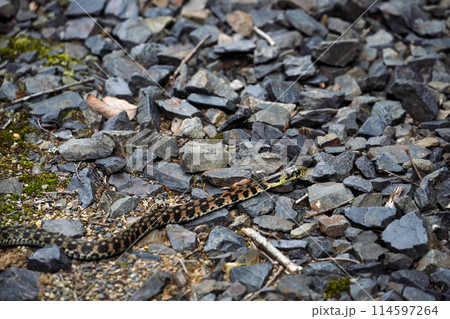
{"x": 111, "y": 106}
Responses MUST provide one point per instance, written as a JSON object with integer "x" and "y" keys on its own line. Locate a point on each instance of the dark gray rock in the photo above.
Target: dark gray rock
{"x": 117, "y": 87}
{"x": 98, "y": 146}
{"x": 433, "y": 260}
{"x": 123, "y": 206}
{"x": 416, "y": 99}
{"x": 296, "y": 287}
{"x": 285, "y": 244}
{"x": 41, "y": 82}
{"x": 253, "y": 277}
{"x": 369, "y": 252}
{"x": 199, "y": 33}
{"x": 66, "y": 227}
{"x": 365, "y": 289}
{"x": 425, "y": 196}
{"x": 384, "y": 162}
{"x": 220, "y": 217}
{"x": 169, "y": 174}
{"x": 18, "y": 284}
{"x": 327, "y": 196}
{"x": 153, "y": 286}
{"x": 48, "y": 259}
{"x": 415, "y": 294}
{"x": 373, "y": 126}
{"x": 111, "y": 165}
{"x": 133, "y": 31}
{"x": 120, "y": 122}
{"x": 319, "y": 247}
{"x": 391, "y": 111}
{"x": 304, "y": 23}
{"x": 222, "y": 240}
{"x": 408, "y": 235}
{"x": 338, "y": 53}
{"x": 122, "y": 9}
{"x": 226, "y": 176}
{"x": 8, "y": 91}
{"x": 78, "y": 29}
{"x": 373, "y": 268}
{"x": 264, "y": 52}
{"x": 64, "y": 101}
{"x": 397, "y": 261}
{"x": 235, "y": 48}
{"x": 358, "y": 183}
{"x": 430, "y": 28}
{"x": 398, "y": 152}
{"x": 298, "y": 67}
{"x": 207, "y": 101}
{"x": 85, "y": 7}
{"x": 284, "y": 208}
{"x": 411, "y": 277}
{"x": 10, "y": 185}
{"x": 202, "y": 156}
{"x": 380, "y": 39}
{"x": 210, "y": 287}
{"x": 441, "y": 277}
{"x": 180, "y": 238}
{"x": 100, "y": 46}
{"x": 284, "y": 91}
{"x": 84, "y": 184}
{"x": 314, "y": 99}
{"x": 174, "y": 107}
{"x": 273, "y": 223}
{"x": 256, "y": 206}
{"x": 365, "y": 166}
{"x": 369, "y": 217}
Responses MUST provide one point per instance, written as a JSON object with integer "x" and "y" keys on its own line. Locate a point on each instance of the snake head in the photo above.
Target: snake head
{"x": 292, "y": 173}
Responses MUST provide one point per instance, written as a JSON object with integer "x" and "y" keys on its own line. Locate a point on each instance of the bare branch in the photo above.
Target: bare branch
{"x": 189, "y": 56}
{"x": 271, "y": 250}
{"x": 264, "y": 35}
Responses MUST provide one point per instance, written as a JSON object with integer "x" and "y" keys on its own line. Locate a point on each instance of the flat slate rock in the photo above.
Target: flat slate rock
{"x": 84, "y": 7}
{"x": 408, "y": 235}
{"x": 153, "y": 286}
{"x": 273, "y": 223}
{"x": 68, "y": 100}
{"x": 253, "y": 277}
{"x": 48, "y": 260}
{"x": 223, "y": 240}
{"x": 171, "y": 175}
{"x": 17, "y": 284}
{"x": 327, "y": 196}
{"x": 369, "y": 217}
{"x": 180, "y": 238}
{"x": 66, "y": 227}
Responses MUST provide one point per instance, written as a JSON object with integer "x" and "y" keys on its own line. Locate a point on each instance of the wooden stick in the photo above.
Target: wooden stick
{"x": 337, "y": 259}
{"x": 26, "y": 98}
{"x": 394, "y": 195}
{"x": 401, "y": 177}
{"x": 264, "y": 35}
{"x": 271, "y": 250}
{"x": 7, "y": 124}
{"x": 301, "y": 199}
{"x": 413, "y": 164}
{"x": 189, "y": 56}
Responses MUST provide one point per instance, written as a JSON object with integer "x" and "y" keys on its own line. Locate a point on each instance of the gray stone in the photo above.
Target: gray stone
{"x": 408, "y": 235}
{"x": 174, "y": 107}
{"x": 273, "y": 223}
{"x": 122, "y": 9}
{"x": 304, "y": 230}
{"x": 432, "y": 260}
{"x": 384, "y": 162}
{"x": 397, "y": 261}
{"x": 373, "y": 126}
{"x": 358, "y": 183}
{"x": 256, "y": 206}
{"x": 201, "y": 156}
{"x": 304, "y": 23}
{"x": 84, "y": 184}
{"x": 365, "y": 289}
{"x": 441, "y": 277}
{"x": 210, "y": 286}
{"x": 222, "y": 240}
{"x": 380, "y": 39}
{"x": 84, "y": 7}
{"x": 220, "y": 217}
{"x": 338, "y": 53}
{"x": 98, "y": 146}
{"x": 66, "y": 227}
{"x": 208, "y": 101}
{"x": 235, "y": 48}
{"x": 296, "y": 287}
{"x": 319, "y": 247}
{"x": 253, "y": 277}
{"x": 327, "y": 196}
{"x": 180, "y": 238}
{"x": 78, "y": 29}
{"x": 111, "y": 165}
{"x": 369, "y": 217}
{"x": 365, "y": 166}
{"x": 226, "y": 176}
{"x": 169, "y": 174}
{"x": 123, "y": 206}
{"x": 64, "y": 101}
{"x": 333, "y": 226}
{"x": 398, "y": 152}
{"x": 191, "y": 128}
{"x": 117, "y": 87}
{"x": 153, "y": 286}
{"x": 10, "y": 185}
{"x": 369, "y": 252}
{"x": 18, "y": 284}
{"x": 415, "y": 294}
{"x": 48, "y": 260}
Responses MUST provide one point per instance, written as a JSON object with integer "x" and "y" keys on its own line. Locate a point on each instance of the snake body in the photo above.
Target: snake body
{"x": 106, "y": 248}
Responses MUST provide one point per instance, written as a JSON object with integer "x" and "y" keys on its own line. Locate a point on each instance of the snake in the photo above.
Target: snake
{"x": 82, "y": 249}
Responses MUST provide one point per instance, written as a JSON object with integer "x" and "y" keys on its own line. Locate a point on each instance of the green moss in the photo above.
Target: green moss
{"x": 22, "y": 44}
{"x": 34, "y": 183}
{"x": 218, "y": 136}
{"x": 335, "y": 287}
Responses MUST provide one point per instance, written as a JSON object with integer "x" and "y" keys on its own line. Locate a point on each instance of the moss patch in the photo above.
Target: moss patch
{"x": 335, "y": 287}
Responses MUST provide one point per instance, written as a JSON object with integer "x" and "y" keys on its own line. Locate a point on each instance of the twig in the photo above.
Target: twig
{"x": 395, "y": 194}
{"x": 45, "y": 130}
{"x": 401, "y": 177}
{"x": 183, "y": 266}
{"x": 267, "y": 285}
{"x": 271, "y": 250}
{"x": 327, "y": 210}
{"x": 413, "y": 164}
{"x": 103, "y": 70}
{"x": 26, "y": 98}
{"x": 264, "y": 35}
{"x": 337, "y": 259}
{"x": 60, "y": 192}
{"x": 301, "y": 199}
{"x": 7, "y": 124}
{"x": 189, "y": 56}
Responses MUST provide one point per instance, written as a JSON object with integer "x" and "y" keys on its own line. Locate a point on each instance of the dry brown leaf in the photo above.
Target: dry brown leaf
{"x": 111, "y": 106}
{"x": 443, "y": 114}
